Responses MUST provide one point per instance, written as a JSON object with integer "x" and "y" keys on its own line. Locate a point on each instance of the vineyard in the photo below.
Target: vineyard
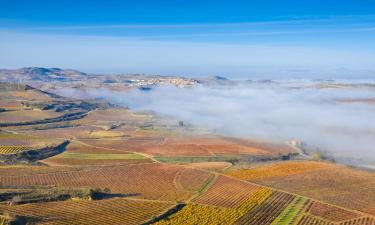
{"x": 261, "y": 206}
{"x": 308, "y": 220}
{"x": 330, "y": 213}
{"x": 339, "y": 185}
{"x": 292, "y": 213}
{"x": 64, "y": 132}
{"x": 26, "y": 115}
{"x": 226, "y": 192}
{"x": 109, "y": 165}
{"x": 150, "y": 181}
{"x": 83, "y": 148}
{"x": 277, "y": 170}
{"x": 15, "y": 149}
{"x": 192, "y": 180}
{"x": 204, "y": 214}
{"x": 111, "y": 211}
{"x": 96, "y": 159}
{"x": 359, "y": 221}
{"x": 139, "y": 144}
{"x": 266, "y": 212}
{"x": 15, "y": 143}
{"x": 215, "y": 166}
{"x": 203, "y": 147}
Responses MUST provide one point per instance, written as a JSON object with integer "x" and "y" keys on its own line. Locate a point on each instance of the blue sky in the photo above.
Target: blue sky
{"x": 231, "y": 38}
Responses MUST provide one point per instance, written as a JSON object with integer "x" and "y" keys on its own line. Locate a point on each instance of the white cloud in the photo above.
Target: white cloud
{"x": 271, "y": 111}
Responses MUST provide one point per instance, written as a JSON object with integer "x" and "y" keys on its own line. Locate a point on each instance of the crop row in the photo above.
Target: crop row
{"x": 359, "y": 221}
{"x": 331, "y": 213}
{"x": 308, "y": 220}
{"x": 8, "y": 149}
{"x": 276, "y": 170}
{"x": 226, "y": 192}
{"x": 205, "y": 214}
{"x": 335, "y": 184}
{"x": 266, "y": 212}
{"x": 192, "y": 180}
{"x": 293, "y": 212}
{"x": 151, "y": 181}
{"x": 111, "y": 211}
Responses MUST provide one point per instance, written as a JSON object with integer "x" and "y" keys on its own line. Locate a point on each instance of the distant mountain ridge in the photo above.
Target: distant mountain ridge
{"x": 41, "y": 74}
{"x": 47, "y": 78}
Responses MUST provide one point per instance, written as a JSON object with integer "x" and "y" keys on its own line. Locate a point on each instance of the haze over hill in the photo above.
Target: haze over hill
{"x": 335, "y": 116}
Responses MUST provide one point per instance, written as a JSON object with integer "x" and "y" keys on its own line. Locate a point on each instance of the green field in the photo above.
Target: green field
{"x": 188, "y": 159}
{"x": 290, "y": 214}
{"x": 88, "y": 156}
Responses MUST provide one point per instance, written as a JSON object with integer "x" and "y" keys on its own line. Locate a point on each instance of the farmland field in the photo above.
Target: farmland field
{"x": 339, "y": 185}
{"x": 148, "y": 181}
{"x": 209, "y": 146}
{"x": 111, "y": 211}
{"x": 216, "y": 166}
{"x": 204, "y": 214}
{"x": 226, "y": 192}
{"x": 277, "y": 170}
{"x": 142, "y": 168}
{"x": 26, "y": 115}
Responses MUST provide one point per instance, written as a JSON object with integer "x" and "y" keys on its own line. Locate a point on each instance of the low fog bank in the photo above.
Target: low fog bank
{"x": 278, "y": 111}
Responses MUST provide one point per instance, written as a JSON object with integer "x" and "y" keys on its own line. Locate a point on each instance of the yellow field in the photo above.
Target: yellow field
{"x": 204, "y": 214}
{"x": 277, "y": 170}
{"x": 106, "y": 134}
{"x": 6, "y": 150}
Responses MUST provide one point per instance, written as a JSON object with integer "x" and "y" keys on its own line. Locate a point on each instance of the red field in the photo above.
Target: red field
{"x": 192, "y": 180}
{"x": 111, "y": 211}
{"x": 226, "y": 192}
{"x": 327, "y": 182}
{"x": 140, "y": 144}
{"x": 309, "y": 220}
{"x": 331, "y": 213}
{"x": 198, "y": 146}
{"x": 276, "y": 170}
{"x": 359, "y": 221}
{"x": 337, "y": 185}
{"x": 150, "y": 181}
{"x": 215, "y": 166}
{"x": 187, "y": 146}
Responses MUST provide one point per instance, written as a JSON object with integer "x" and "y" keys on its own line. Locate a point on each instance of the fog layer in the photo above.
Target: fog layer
{"x": 277, "y": 111}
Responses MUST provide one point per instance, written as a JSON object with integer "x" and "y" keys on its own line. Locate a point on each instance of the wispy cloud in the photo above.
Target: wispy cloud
{"x": 280, "y": 21}
{"x": 294, "y": 28}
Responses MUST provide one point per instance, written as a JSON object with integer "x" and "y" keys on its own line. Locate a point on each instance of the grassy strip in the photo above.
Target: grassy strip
{"x": 291, "y": 212}
{"x": 188, "y": 159}
{"x": 206, "y": 184}
{"x": 89, "y": 156}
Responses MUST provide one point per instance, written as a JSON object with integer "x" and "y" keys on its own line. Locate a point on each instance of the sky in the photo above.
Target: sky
{"x": 282, "y": 39}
